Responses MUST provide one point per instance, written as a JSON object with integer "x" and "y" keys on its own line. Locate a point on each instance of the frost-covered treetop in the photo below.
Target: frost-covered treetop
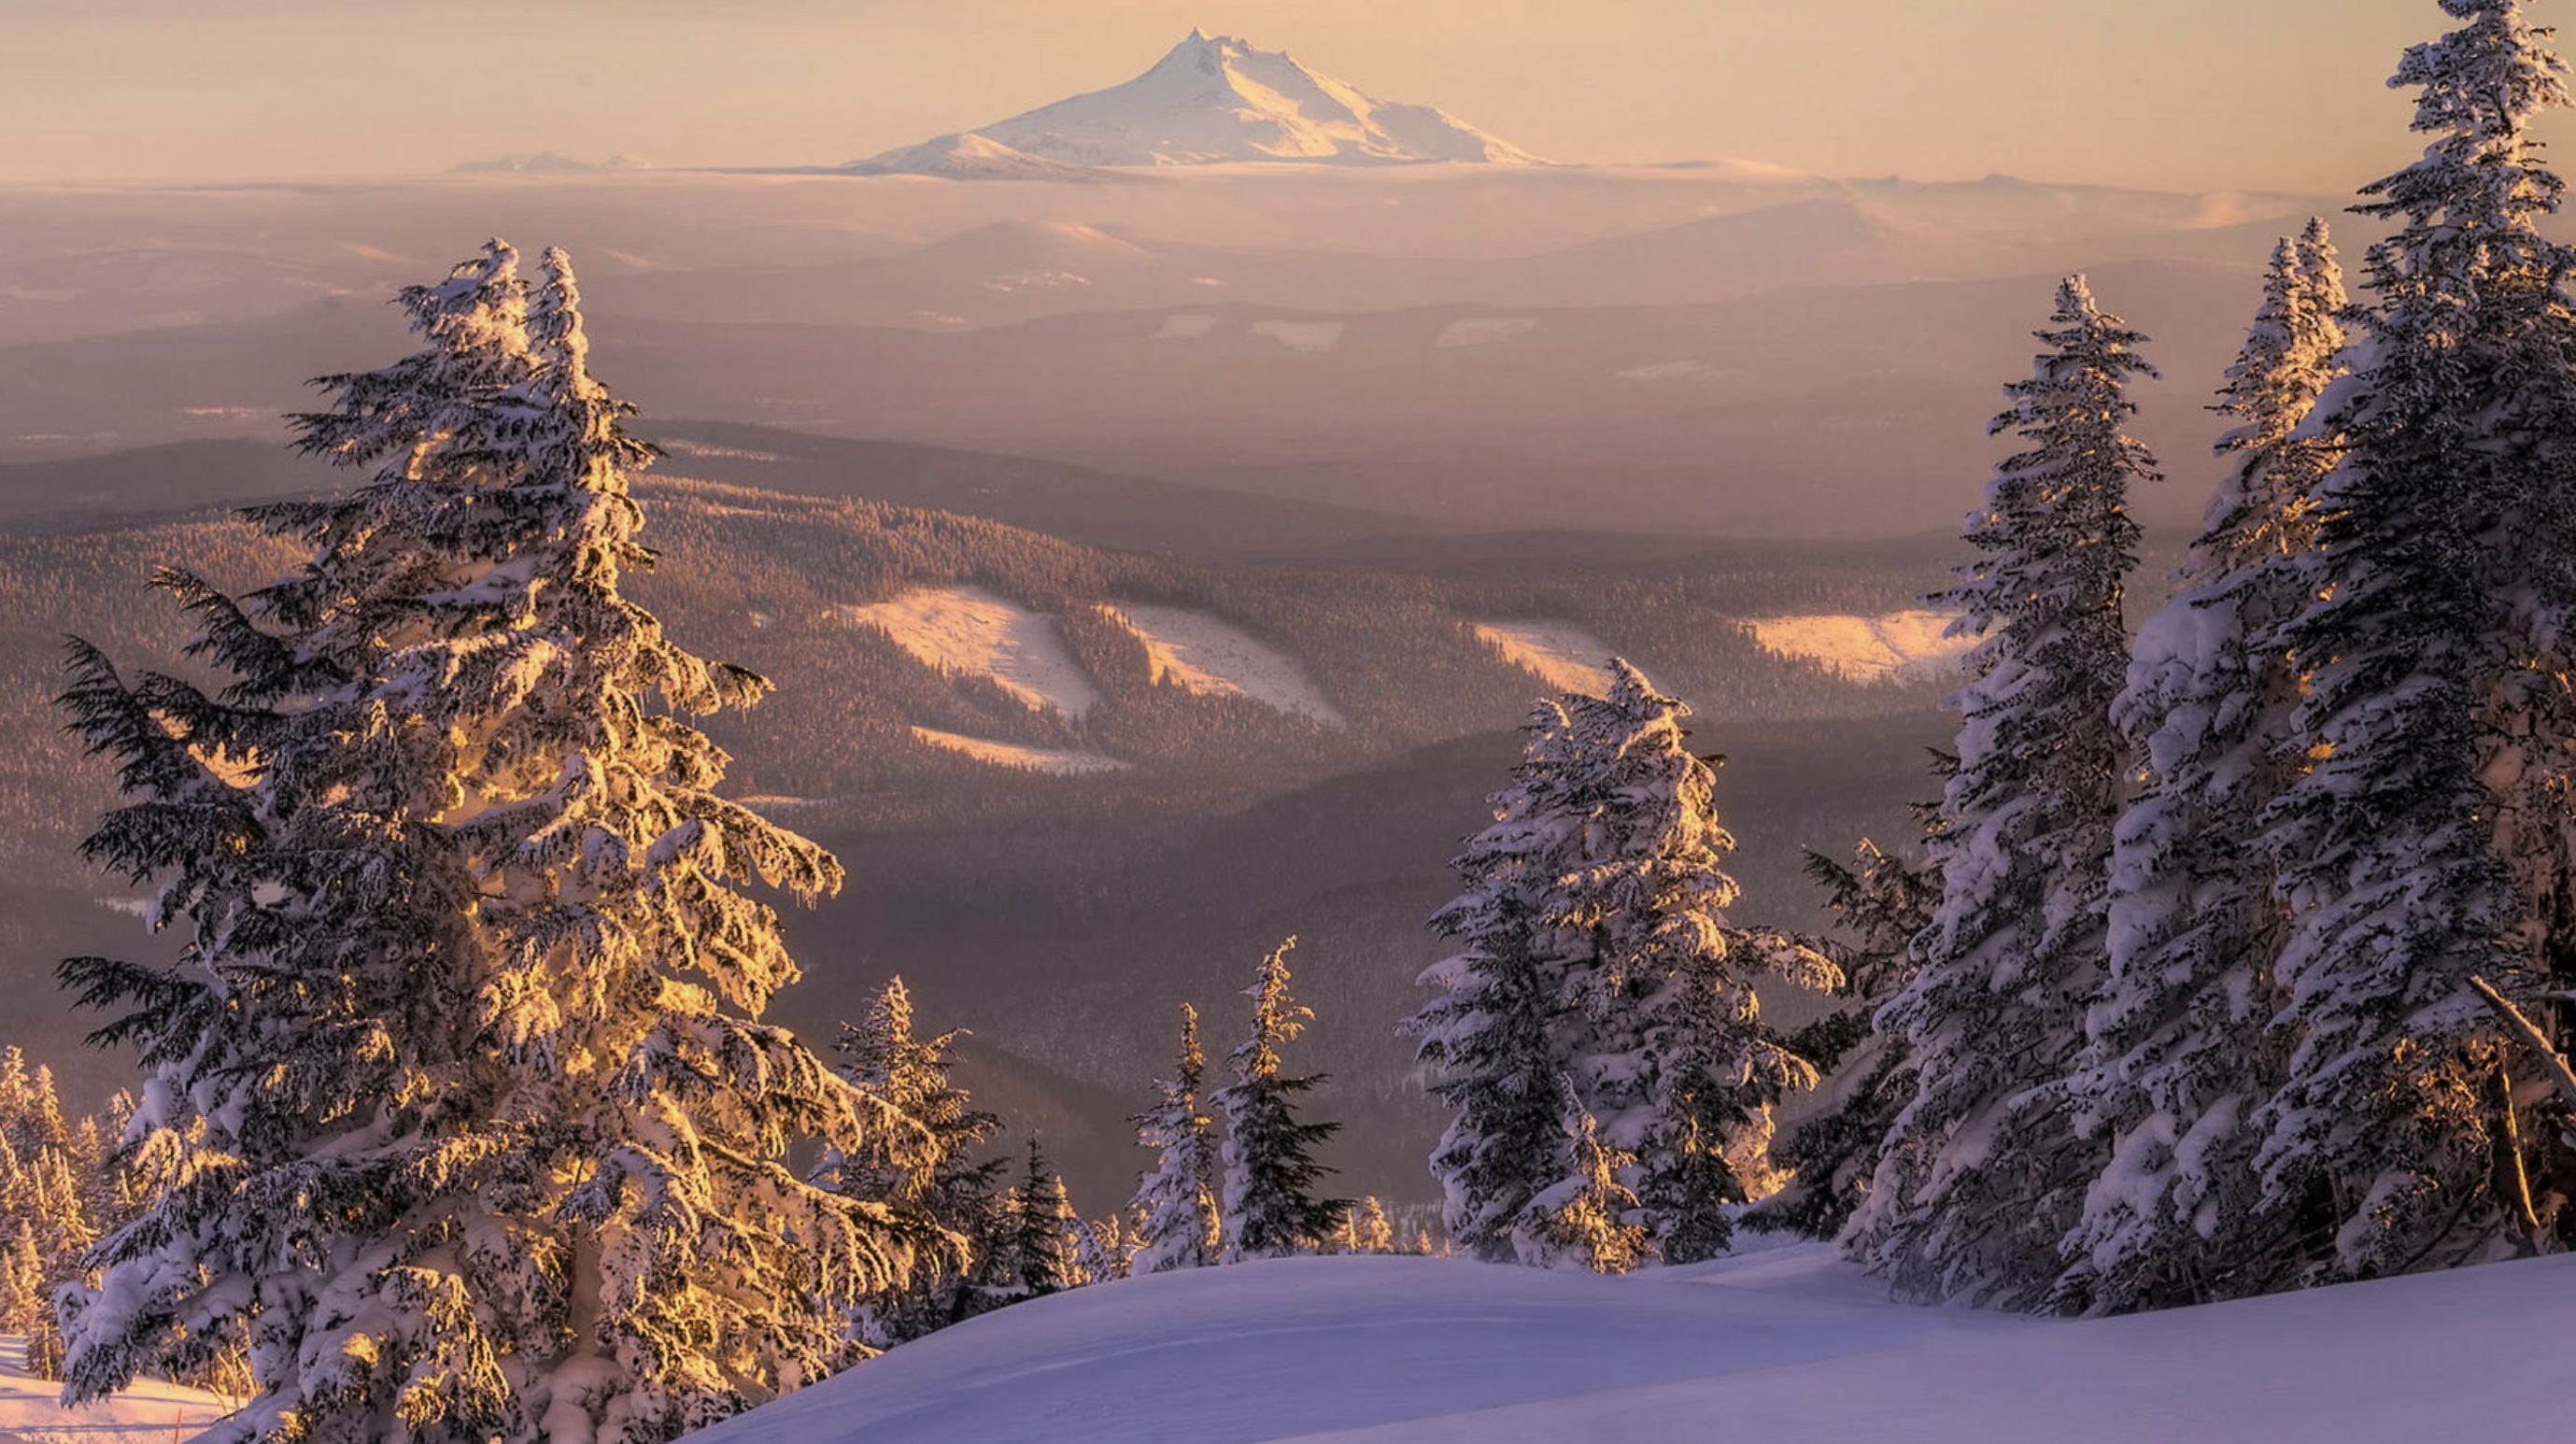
{"x": 2482, "y": 85}
{"x": 2264, "y": 506}
{"x": 2072, "y": 481}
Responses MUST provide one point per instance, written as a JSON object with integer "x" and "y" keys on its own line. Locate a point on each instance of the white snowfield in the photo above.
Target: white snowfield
{"x": 1561, "y": 654}
{"x": 1213, "y": 658}
{"x": 1316, "y": 338}
{"x": 969, "y": 631}
{"x": 1676, "y": 371}
{"x": 1788, "y": 1346}
{"x": 1483, "y": 331}
{"x": 1026, "y": 759}
{"x": 1866, "y": 649}
{"x": 150, "y": 1411}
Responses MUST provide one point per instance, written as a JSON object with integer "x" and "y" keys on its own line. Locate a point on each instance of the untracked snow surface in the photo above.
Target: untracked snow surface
{"x": 1561, "y": 654}
{"x": 1865, "y": 649}
{"x": 1785, "y": 1347}
{"x": 30, "y": 1413}
{"x": 970, "y": 631}
{"x": 1199, "y": 653}
{"x": 1026, "y": 759}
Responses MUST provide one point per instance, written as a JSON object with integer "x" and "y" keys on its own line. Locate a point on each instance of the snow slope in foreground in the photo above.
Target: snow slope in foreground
{"x": 1783, "y": 1346}
{"x": 29, "y": 1413}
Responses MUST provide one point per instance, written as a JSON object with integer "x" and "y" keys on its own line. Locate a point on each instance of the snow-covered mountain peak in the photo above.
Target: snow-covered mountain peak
{"x": 1215, "y": 99}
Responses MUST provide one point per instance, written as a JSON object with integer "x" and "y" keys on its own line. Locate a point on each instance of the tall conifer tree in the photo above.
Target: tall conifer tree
{"x": 1597, "y": 956}
{"x": 935, "y": 1170}
{"x": 2429, "y": 841}
{"x": 1269, "y": 1204}
{"x": 1492, "y": 1043}
{"x": 1881, "y": 903}
{"x": 1176, "y": 1203}
{"x": 1982, "y": 1173}
{"x": 2183, "y": 1052}
{"x": 479, "y": 1134}
{"x": 1673, "y": 1058}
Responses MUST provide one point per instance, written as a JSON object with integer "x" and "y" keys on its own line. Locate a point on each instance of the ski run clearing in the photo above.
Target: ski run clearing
{"x": 1026, "y": 759}
{"x": 971, "y": 632}
{"x": 1313, "y": 337}
{"x": 1562, "y": 655}
{"x": 1485, "y": 331}
{"x": 30, "y": 1411}
{"x": 967, "y": 631}
{"x": 1200, "y": 654}
{"x": 1788, "y": 1345}
{"x": 1866, "y": 649}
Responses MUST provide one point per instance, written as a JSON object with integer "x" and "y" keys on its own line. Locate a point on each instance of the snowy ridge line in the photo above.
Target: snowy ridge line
{"x": 1210, "y": 657}
{"x": 972, "y": 632}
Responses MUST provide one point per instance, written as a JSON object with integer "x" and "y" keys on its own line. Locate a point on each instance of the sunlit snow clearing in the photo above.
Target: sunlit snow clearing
{"x": 1485, "y": 330}
{"x": 1314, "y": 336}
{"x": 1676, "y": 371}
{"x": 1182, "y": 328}
{"x": 1027, "y": 759}
{"x": 1865, "y": 649}
{"x": 29, "y": 1413}
{"x": 969, "y": 631}
{"x": 1562, "y": 655}
{"x": 1198, "y": 653}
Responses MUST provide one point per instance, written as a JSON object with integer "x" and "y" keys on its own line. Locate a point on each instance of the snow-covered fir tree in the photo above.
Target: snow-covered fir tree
{"x": 1982, "y": 1173}
{"x": 49, "y": 1192}
{"x": 22, "y": 1279}
{"x": 1591, "y": 1217}
{"x": 1268, "y": 1206}
{"x": 1595, "y": 953}
{"x": 1493, "y": 1044}
{"x": 936, "y": 1169}
{"x": 1039, "y": 1250}
{"x": 477, "y": 1133}
{"x": 31, "y": 1108}
{"x": 1105, "y": 1248}
{"x": 1370, "y": 1230}
{"x": 1669, "y": 1052}
{"x": 1176, "y": 1203}
{"x": 1880, "y": 903}
{"x": 2182, "y": 1051}
{"x": 2429, "y": 841}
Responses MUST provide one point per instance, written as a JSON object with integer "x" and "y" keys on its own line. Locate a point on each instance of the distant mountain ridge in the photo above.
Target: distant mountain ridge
{"x": 546, "y": 162}
{"x": 1214, "y": 99}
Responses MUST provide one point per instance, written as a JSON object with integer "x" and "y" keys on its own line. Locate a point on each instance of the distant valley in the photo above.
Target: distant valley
{"x": 1120, "y": 546}
{"x": 1039, "y": 757}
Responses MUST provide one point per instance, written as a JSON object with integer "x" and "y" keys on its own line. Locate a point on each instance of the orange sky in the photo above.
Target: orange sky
{"x": 2176, "y": 93}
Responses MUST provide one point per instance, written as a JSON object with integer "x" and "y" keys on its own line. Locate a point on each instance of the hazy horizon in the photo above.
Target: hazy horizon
{"x": 2285, "y": 96}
